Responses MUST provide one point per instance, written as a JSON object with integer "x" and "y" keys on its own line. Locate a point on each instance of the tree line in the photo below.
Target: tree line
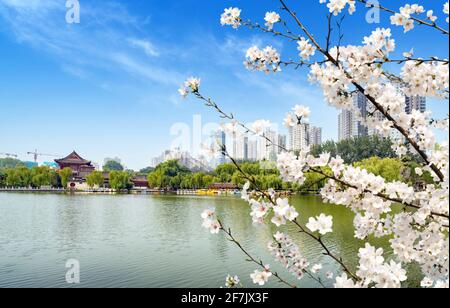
{"x": 171, "y": 175}
{"x": 38, "y": 177}
{"x": 371, "y": 153}
{"x": 357, "y": 149}
{"x": 14, "y": 174}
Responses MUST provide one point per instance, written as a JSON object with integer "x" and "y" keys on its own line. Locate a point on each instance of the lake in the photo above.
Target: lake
{"x": 149, "y": 241}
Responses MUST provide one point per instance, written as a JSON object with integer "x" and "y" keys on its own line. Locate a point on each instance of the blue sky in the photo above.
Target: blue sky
{"x": 108, "y": 86}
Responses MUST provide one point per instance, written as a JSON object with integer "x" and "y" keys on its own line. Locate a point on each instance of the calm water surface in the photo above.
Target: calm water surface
{"x": 146, "y": 241}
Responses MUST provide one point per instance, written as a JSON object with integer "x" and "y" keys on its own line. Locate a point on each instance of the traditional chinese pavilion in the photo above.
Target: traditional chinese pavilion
{"x": 81, "y": 168}
{"x": 140, "y": 181}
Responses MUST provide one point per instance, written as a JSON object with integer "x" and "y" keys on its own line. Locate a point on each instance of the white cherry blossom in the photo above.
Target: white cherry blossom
{"x": 271, "y": 18}
{"x": 306, "y": 49}
{"x": 418, "y": 235}
{"x": 231, "y": 17}
{"x": 259, "y": 127}
{"x": 232, "y": 281}
{"x": 316, "y": 268}
{"x": 261, "y": 278}
{"x": 322, "y": 224}
{"x": 301, "y": 111}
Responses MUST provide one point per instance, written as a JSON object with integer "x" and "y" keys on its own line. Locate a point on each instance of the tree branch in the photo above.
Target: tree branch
{"x": 378, "y": 106}
{"x": 252, "y": 180}
{"x": 383, "y": 196}
{"x": 419, "y": 21}
{"x": 249, "y": 256}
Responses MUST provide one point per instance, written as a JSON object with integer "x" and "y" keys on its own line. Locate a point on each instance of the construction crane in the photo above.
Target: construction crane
{"x": 36, "y": 154}
{"x": 9, "y": 155}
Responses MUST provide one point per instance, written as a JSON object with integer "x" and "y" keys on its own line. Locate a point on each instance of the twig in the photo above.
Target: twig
{"x": 211, "y": 104}
{"x": 383, "y": 196}
{"x": 377, "y": 105}
{"x": 302, "y": 230}
{"x": 249, "y": 256}
{"x": 327, "y": 251}
{"x": 419, "y": 21}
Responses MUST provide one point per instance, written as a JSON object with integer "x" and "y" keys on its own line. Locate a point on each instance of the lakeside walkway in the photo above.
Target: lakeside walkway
{"x": 186, "y": 192}
{"x": 36, "y": 190}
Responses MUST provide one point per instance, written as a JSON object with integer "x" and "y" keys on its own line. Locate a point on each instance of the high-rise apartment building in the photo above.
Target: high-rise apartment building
{"x": 282, "y": 143}
{"x": 345, "y": 125}
{"x": 240, "y": 146}
{"x": 221, "y": 139}
{"x": 415, "y": 103}
{"x": 304, "y": 135}
{"x": 252, "y": 150}
{"x": 299, "y": 137}
{"x": 351, "y": 122}
{"x": 269, "y": 147}
{"x": 315, "y": 136}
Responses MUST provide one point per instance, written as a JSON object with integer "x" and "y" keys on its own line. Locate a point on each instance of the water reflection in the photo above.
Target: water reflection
{"x": 146, "y": 241}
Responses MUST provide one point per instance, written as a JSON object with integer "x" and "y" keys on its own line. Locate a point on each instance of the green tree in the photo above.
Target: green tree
{"x": 10, "y": 163}
{"x": 357, "y": 149}
{"x": 169, "y": 175}
{"x": 120, "y": 180}
{"x": 197, "y": 180}
{"x": 411, "y": 177}
{"x": 313, "y": 183}
{"x": 224, "y": 172}
{"x": 146, "y": 171}
{"x": 12, "y": 178}
{"x": 2, "y": 178}
{"x": 95, "y": 179}
{"x": 43, "y": 176}
{"x": 388, "y": 168}
{"x": 65, "y": 175}
{"x": 208, "y": 180}
{"x": 18, "y": 177}
{"x": 237, "y": 179}
{"x": 112, "y": 165}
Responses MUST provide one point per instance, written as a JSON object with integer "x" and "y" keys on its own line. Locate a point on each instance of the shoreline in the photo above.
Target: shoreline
{"x": 181, "y": 192}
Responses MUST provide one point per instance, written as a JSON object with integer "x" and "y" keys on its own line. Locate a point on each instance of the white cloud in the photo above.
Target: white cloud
{"x": 145, "y": 45}
{"x": 149, "y": 72}
{"x": 32, "y": 4}
{"x": 297, "y": 90}
{"x": 100, "y": 42}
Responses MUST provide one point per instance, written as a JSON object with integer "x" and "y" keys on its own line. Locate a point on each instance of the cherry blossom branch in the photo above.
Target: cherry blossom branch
{"x": 252, "y": 180}
{"x": 318, "y": 280}
{"x": 330, "y": 31}
{"x": 327, "y": 251}
{"x": 419, "y": 21}
{"x": 212, "y": 104}
{"x": 299, "y": 64}
{"x": 314, "y": 183}
{"x": 377, "y": 105}
{"x": 251, "y": 25}
{"x": 417, "y": 60}
{"x": 383, "y": 196}
{"x": 289, "y": 36}
{"x": 231, "y": 238}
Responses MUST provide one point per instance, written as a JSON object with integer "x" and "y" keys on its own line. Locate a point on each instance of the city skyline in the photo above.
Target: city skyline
{"x": 351, "y": 121}
{"x": 63, "y": 94}
{"x": 247, "y": 147}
